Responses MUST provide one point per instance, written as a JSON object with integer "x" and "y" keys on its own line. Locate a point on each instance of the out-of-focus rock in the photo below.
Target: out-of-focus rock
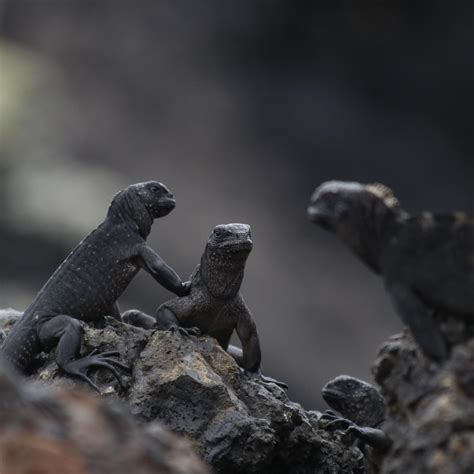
{"x": 195, "y": 388}
{"x": 430, "y": 408}
{"x": 241, "y": 425}
{"x": 45, "y": 430}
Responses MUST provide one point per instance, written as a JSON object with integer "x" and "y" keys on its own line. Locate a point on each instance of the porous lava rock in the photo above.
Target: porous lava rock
{"x": 430, "y": 415}
{"x": 44, "y": 430}
{"x": 193, "y": 387}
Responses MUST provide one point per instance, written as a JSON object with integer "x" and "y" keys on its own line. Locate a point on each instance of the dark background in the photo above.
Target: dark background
{"x": 241, "y": 108}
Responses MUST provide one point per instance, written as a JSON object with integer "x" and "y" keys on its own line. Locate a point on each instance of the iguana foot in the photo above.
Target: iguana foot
{"x": 79, "y": 367}
{"x": 265, "y": 380}
{"x": 329, "y": 416}
{"x": 193, "y": 331}
{"x": 340, "y": 424}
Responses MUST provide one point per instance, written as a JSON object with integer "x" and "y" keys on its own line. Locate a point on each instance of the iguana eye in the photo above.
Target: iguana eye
{"x": 218, "y": 232}
{"x": 154, "y": 189}
{"x": 349, "y": 385}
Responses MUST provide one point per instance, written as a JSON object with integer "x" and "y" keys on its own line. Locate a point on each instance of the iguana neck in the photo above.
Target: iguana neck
{"x": 372, "y": 234}
{"x": 222, "y": 273}
{"x": 127, "y": 208}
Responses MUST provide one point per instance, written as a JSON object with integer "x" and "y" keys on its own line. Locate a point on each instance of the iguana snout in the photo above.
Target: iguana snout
{"x": 231, "y": 238}
{"x": 332, "y": 201}
{"x": 157, "y": 198}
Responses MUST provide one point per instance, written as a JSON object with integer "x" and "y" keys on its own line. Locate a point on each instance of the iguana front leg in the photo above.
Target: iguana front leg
{"x": 66, "y": 332}
{"x": 251, "y": 357}
{"x": 374, "y": 437}
{"x": 419, "y": 319}
{"x": 247, "y": 331}
{"x": 150, "y": 261}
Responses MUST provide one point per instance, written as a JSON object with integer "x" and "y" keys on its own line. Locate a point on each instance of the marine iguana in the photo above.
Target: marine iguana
{"x": 87, "y": 284}
{"x": 426, "y": 260}
{"x": 362, "y": 408}
{"x": 214, "y": 305}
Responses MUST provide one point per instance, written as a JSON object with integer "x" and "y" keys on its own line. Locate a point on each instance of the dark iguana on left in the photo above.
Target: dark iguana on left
{"x": 87, "y": 284}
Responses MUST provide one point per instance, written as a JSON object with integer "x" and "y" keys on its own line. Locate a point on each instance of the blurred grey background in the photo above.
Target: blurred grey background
{"x": 241, "y": 108}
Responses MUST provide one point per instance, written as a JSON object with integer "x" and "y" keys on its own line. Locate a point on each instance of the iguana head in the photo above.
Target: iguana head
{"x": 140, "y": 203}
{"x": 357, "y": 213}
{"x": 223, "y": 261}
{"x": 355, "y": 399}
{"x": 156, "y": 197}
{"x": 230, "y": 240}
{"x": 335, "y": 204}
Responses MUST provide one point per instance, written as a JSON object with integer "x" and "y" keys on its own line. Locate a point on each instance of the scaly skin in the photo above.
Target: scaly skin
{"x": 356, "y": 400}
{"x": 214, "y": 305}
{"x": 426, "y": 261}
{"x": 362, "y": 408}
{"x": 87, "y": 284}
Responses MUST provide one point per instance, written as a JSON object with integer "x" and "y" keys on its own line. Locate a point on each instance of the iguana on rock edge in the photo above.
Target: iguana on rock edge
{"x": 214, "y": 305}
{"x": 87, "y": 284}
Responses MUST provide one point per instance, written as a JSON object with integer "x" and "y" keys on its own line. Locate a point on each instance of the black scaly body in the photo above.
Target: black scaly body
{"x": 355, "y": 400}
{"x": 426, "y": 260}
{"x": 214, "y": 305}
{"x": 362, "y": 407}
{"x": 87, "y": 284}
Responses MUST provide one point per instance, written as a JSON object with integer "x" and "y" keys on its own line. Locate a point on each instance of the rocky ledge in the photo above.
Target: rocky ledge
{"x": 192, "y": 387}
{"x": 430, "y": 408}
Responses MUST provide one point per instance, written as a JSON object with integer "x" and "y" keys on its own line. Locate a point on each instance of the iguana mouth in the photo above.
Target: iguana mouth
{"x": 167, "y": 202}
{"x": 161, "y": 207}
{"x": 331, "y": 394}
{"x": 242, "y": 245}
{"x": 319, "y": 217}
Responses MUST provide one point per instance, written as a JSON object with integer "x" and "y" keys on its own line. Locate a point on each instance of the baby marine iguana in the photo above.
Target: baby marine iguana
{"x": 362, "y": 407}
{"x": 87, "y": 284}
{"x": 214, "y": 305}
{"x": 427, "y": 260}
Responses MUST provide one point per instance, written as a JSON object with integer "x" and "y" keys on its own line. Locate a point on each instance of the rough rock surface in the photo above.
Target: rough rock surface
{"x": 430, "y": 408}
{"x": 45, "y": 430}
{"x": 240, "y": 425}
{"x": 195, "y": 388}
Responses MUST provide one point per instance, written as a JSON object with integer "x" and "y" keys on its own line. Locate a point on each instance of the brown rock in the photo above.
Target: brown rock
{"x": 45, "y": 430}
